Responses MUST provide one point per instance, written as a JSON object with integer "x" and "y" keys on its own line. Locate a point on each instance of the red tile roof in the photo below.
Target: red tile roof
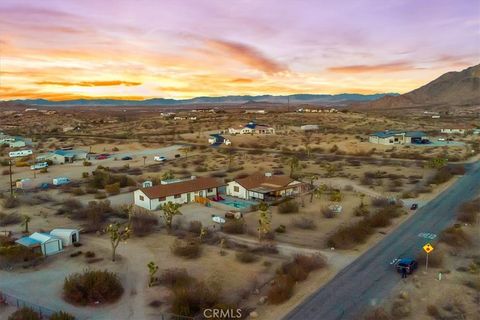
{"x": 197, "y": 184}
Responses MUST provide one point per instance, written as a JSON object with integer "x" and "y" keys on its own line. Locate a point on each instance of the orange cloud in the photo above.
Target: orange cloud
{"x": 384, "y": 67}
{"x": 89, "y": 83}
{"x": 242, "y": 80}
{"x": 247, "y": 55}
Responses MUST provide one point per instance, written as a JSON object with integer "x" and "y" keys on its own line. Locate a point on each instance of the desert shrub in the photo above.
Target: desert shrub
{"x": 347, "y": 237}
{"x": 455, "y": 237}
{"x": 6, "y": 172}
{"x": 87, "y": 163}
{"x": 281, "y": 290}
{"x": 294, "y": 271}
{"x": 9, "y": 218}
{"x": 469, "y": 211}
{"x": 304, "y": 223}
{"x": 433, "y": 312}
{"x": 195, "y": 227}
{"x": 187, "y": 249}
{"x": 234, "y": 226}
{"x": 380, "y": 202}
{"x": 310, "y": 263}
{"x": 192, "y": 299}
{"x": 281, "y": 229}
{"x": 113, "y": 188}
{"x": 143, "y": 223}
{"x": 289, "y": 206}
{"x": 25, "y": 313}
{"x": 6, "y": 241}
{"x": 78, "y": 192}
{"x": 246, "y": 257}
{"x": 100, "y": 195}
{"x": 10, "y": 202}
{"x": 72, "y": 204}
{"x": 92, "y": 286}
{"x": 376, "y": 314}
{"x": 14, "y": 254}
{"x": 361, "y": 211}
{"x": 61, "y": 315}
{"x": 175, "y": 277}
{"x": 90, "y": 254}
{"x": 85, "y": 175}
{"x": 401, "y": 307}
{"x": 328, "y": 213}
{"x": 378, "y": 220}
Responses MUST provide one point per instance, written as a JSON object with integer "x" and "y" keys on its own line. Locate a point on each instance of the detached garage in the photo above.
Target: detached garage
{"x": 68, "y": 236}
{"x": 49, "y": 244}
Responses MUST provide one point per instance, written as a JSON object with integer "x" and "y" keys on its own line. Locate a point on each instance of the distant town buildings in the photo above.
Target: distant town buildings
{"x": 397, "y": 137}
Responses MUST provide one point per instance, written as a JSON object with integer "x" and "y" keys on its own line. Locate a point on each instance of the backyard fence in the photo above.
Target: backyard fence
{"x": 19, "y": 303}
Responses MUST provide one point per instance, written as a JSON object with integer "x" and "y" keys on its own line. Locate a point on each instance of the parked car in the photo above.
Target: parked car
{"x": 101, "y": 157}
{"x": 159, "y": 158}
{"x": 127, "y": 158}
{"x": 414, "y": 206}
{"x": 406, "y": 263}
{"x": 177, "y": 155}
{"x": 441, "y": 139}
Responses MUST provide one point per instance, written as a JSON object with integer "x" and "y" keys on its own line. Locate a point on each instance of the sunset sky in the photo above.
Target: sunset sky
{"x": 138, "y": 49}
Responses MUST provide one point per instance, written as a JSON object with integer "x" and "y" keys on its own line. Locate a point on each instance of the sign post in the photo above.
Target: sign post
{"x": 427, "y": 248}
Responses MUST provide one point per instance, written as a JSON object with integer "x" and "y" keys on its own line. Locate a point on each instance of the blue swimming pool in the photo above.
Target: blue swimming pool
{"x": 237, "y": 203}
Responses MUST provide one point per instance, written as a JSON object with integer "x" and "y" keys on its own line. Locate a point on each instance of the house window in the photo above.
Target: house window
{"x": 162, "y": 198}
{"x": 210, "y": 190}
{"x": 236, "y": 188}
{"x": 177, "y": 196}
{"x": 142, "y": 198}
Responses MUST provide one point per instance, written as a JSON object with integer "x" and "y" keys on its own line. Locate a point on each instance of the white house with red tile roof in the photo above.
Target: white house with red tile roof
{"x": 183, "y": 191}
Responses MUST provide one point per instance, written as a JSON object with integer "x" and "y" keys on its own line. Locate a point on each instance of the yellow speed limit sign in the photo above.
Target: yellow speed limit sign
{"x": 428, "y": 248}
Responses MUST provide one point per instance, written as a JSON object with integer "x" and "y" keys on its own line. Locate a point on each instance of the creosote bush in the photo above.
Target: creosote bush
{"x": 92, "y": 286}
{"x": 188, "y": 249}
{"x": 61, "y": 315}
{"x": 455, "y": 237}
{"x": 25, "y": 313}
{"x": 289, "y": 206}
{"x": 246, "y": 257}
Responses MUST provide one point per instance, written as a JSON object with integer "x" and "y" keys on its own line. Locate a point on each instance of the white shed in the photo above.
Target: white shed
{"x": 49, "y": 244}
{"x": 68, "y": 236}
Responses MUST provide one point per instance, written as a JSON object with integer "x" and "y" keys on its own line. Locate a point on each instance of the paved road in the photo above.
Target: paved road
{"x": 371, "y": 277}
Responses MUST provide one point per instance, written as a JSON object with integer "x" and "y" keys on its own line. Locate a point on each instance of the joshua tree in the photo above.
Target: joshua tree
{"x": 203, "y": 233}
{"x": 231, "y": 156}
{"x": 336, "y": 196}
{"x": 144, "y": 159}
{"x": 320, "y": 190}
{"x": 185, "y": 151}
{"x": 116, "y": 235}
{"x": 152, "y": 270}
{"x": 167, "y": 175}
{"x": 312, "y": 179}
{"x": 170, "y": 210}
{"x": 264, "y": 221}
{"x": 294, "y": 164}
{"x": 26, "y": 221}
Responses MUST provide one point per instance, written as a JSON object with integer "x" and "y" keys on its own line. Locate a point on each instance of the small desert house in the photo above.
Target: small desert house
{"x": 43, "y": 242}
{"x": 63, "y": 156}
{"x": 266, "y": 187}
{"x": 177, "y": 191}
{"x": 67, "y": 236}
{"x": 397, "y": 137}
{"x": 252, "y": 128}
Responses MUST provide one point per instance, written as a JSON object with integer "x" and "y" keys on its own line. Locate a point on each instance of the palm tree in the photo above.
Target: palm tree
{"x": 170, "y": 210}
{"x": 26, "y": 221}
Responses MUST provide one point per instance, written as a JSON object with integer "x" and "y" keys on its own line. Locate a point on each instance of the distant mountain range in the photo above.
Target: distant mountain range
{"x": 456, "y": 88}
{"x": 329, "y": 99}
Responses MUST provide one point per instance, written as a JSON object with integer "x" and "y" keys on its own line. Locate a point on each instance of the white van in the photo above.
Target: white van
{"x": 60, "y": 181}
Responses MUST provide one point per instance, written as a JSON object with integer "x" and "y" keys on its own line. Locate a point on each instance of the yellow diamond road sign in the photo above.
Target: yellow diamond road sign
{"x": 428, "y": 248}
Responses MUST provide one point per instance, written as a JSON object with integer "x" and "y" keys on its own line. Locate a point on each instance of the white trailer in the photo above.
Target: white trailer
{"x": 39, "y": 165}
{"x": 59, "y": 181}
{"x": 68, "y": 236}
